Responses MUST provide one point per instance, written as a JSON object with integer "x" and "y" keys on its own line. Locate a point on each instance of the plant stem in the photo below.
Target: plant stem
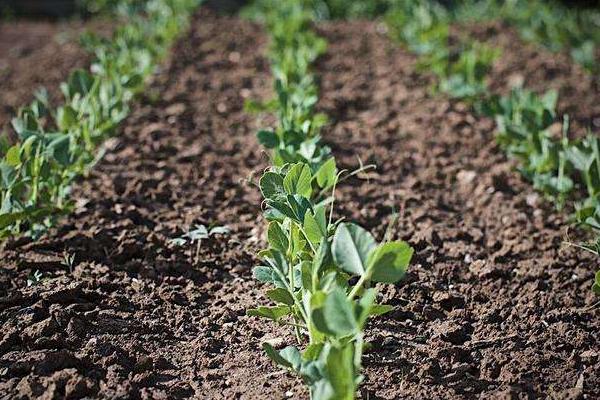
{"x": 363, "y": 279}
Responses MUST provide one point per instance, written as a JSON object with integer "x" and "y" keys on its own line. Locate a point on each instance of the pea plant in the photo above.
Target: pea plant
{"x": 320, "y": 271}
{"x": 309, "y": 263}
{"x": 523, "y": 120}
{"x": 423, "y": 27}
{"x": 56, "y": 145}
{"x": 464, "y": 76}
{"x": 197, "y": 235}
{"x": 556, "y": 166}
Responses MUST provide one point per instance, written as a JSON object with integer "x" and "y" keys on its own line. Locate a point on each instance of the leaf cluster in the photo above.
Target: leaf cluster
{"x": 310, "y": 263}
{"x": 558, "y": 28}
{"x": 199, "y": 233}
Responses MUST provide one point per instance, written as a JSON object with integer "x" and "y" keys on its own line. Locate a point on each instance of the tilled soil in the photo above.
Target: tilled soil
{"x": 36, "y": 54}
{"x": 494, "y": 304}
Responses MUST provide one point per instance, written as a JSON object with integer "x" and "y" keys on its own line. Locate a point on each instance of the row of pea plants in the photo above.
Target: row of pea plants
{"x": 566, "y": 170}
{"x": 55, "y": 145}
{"x": 320, "y": 270}
{"x": 549, "y": 23}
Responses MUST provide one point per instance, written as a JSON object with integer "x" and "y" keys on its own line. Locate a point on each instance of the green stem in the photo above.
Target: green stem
{"x": 363, "y": 279}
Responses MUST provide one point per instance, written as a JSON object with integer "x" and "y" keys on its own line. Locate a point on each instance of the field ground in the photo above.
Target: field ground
{"x": 494, "y": 304}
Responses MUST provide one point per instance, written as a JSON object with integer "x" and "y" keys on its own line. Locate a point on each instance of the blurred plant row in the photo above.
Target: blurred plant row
{"x": 551, "y": 24}
{"x": 55, "y": 145}
{"x": 320, "y": 270}
{"x": 566, "y": 170}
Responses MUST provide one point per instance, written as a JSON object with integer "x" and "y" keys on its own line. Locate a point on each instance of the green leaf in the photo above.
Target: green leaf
{"x": 31, "y": 214}
{"x": 282, "y": 208}
{"x": 10, "y": 218}
{"x": 27, "y": 144}
{"x": 596, "y": 285}
{"x": 277, "y": 261}
{"x": 327, "y": 174}
{"x": 280, "y": 295}
{"x": 389, "y": 261}
{"x": 289, "y": 357}
{"x": 320, "y": 215}
{"x": 312, "y": 228}
{"x": 298, "y": 180}
{"x": 292, "y": 356}
{"x": 277, "y": 237}
{"x": 317, "y": 299}
{"x": 274, "y": 313}
{"x": 271, "y": 186}
{"x": 66, "y": 117}
{"x": 322, "y": 390}
{"x": 320, "y": 322}
{"x": 8, "y": 173}
{"x": 263, "y": 274}
{"x": 306, "y": 275}
{"x": 312, "y": 351}
{"x": 299, "y": 206}
{"x": 351, "y": 248}
{"x": 297, "y": 240}
{"x": 269, "y": 139}
{"x": 219, "y": 230}
{"x": 338, "y": 312}
{"x": 322, "y": 257}
{"x": 13, "y": 156}
{"x": 275, "y": 356}
{"x": 380, "y": 309}
{"x": 59, "y": 148}
{"x": 268, "y": 275}
{"x": 80, "y": 81}
{"x": 365, "y": 304}
{"x": 550, "y": 99}
{"x": 340, "y": 372}
{"x": 134, "y": 81}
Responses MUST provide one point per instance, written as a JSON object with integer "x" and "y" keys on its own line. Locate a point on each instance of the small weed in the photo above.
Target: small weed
{"x": 68, "y": 260}
{"x": 34, "y": 278}
{"x": 196, "y": 235}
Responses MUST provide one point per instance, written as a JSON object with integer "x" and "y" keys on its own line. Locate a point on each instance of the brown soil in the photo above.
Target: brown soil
{"x": 493, "y": 305}
{"x": 35, "y": 54}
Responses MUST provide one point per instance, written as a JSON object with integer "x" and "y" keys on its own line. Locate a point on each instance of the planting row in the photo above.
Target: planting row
{"x": 320, "y": 270}
{"x": 55, "y": 145}
{"x": 566, "y": 170}
{"x": 548, "y": 23}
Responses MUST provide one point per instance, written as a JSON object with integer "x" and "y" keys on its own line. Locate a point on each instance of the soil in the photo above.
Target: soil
{"x": 494, "y": 306}
{"x": 36, "y": 54}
